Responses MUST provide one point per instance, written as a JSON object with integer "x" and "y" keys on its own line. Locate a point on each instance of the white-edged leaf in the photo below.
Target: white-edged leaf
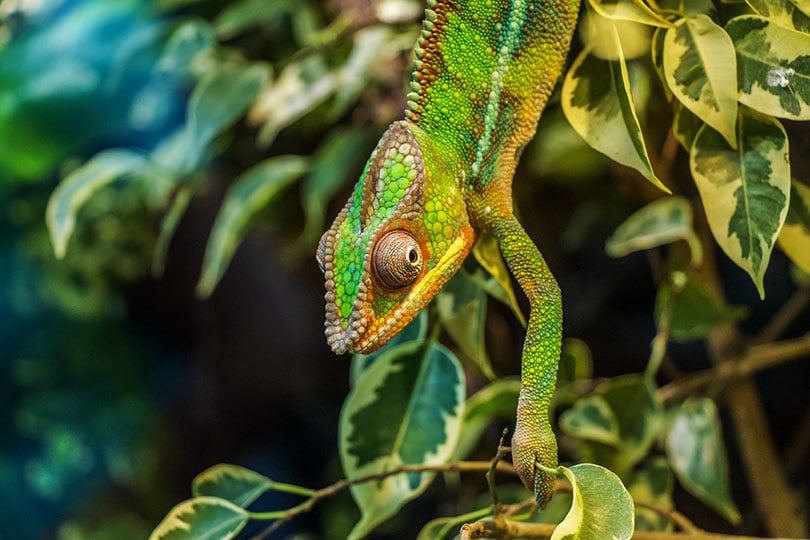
{"x": 773, "y": 63}
{"x": 249, "y": 194}
{"x": 695, "y": 449}
{"x": 592, "y": 419}
{"x": 597, "y": 102}
{"x": 661, "y": 222}
{"x": 602, "y": 508}
{"x": 406, "y": 408}
{"x": 652, "y": 483}
{"x": 79, "y": 186}
{"x": 794, "y": 239}
{"x": 744, "y": 191}
{"x": 201, "y": 518}
{"x": 700, "y": 68}
{"x": 415, "y": 331}
{"x": 233, "y": 483}
{"x": 488, "y": 254}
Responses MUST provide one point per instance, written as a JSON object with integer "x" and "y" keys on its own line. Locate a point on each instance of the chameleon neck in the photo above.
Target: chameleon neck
{"x": 483, "y": 72}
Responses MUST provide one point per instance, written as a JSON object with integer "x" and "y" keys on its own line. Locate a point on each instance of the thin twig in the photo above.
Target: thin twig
{"x": 337, "y": 487}
{"x": 780, "y": 322}
{"x": 671, "y": 514}
{"x": 493, "y": 492}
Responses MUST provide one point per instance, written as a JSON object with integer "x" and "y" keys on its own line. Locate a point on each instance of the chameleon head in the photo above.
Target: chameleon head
{"x": 400, "y": 237}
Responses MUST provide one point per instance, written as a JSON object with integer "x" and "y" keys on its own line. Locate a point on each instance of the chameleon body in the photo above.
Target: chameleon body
{"x": 483, "y": 71}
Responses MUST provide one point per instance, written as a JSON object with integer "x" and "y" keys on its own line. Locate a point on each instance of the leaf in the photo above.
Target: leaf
{"x": 300, "y": 87}
{"x": 789, "y": 13}
{"x": 186, "y": 42}
{"x": 336, "y": 158}
{"x": 415, "y": 331}
{"x": 462, "y": 308}
{"x": 794, "y": 239}
{"x": 404, "y": 409}
{"x": 597, "y": 34}
{"x": 700, "y": 69}
{"x": 217, "y": 101}
{"x": 685, "y": 126}
{"x": 237, "y": 17}
{"x": 695, "y": 312}
{"x": 652, "y": 483}
{"x": 488, "y": 254}
{"x": 249, "y": 194}
{"x": 235, "y": 484}
{"x": 596, "y": 101}
{"x": 591, "y": 418}
{"x": 695, "y": 449}
{"x": 744, "y": 191}
{"x": 602, "y": 507}
{"x": 624, "y": 10}
{"x": 496, "y": 400}
{"x": 661, "y": 222}
{"x": 640, "y": 416}
{"x": 79, "y": 186}
{"x": 168, "y": 226}
{"x": 201, "y": 518}
{"x": 576, "y": 362}
{"x": 773, "y": 63}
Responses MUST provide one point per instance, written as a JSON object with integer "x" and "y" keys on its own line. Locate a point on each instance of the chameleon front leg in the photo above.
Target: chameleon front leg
{"x": 533, "y": 441}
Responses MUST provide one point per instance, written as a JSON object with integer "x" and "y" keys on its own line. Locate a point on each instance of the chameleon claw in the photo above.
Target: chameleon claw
{"x": 535, "y": 460}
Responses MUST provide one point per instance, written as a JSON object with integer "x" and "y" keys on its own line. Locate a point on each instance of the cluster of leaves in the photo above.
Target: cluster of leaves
{"x": 408, "y": 407}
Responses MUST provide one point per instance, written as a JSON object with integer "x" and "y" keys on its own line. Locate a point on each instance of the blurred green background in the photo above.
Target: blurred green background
{"x": 118, "y": 383}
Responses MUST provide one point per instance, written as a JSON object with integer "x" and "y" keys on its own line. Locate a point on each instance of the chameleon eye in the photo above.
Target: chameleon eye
{"x": 397, "y": 260}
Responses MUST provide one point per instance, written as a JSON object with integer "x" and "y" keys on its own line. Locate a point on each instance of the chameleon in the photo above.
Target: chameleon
{"x": 483, "y": 71}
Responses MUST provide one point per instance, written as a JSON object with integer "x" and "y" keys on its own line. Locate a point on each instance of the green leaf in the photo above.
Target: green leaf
{"x": 696, "y": 452}
{"x": 591, "y": 418}
{"x": 237, "y": 17}
{"x": 773, "y": 66}
{"x": 496, "y": 400}
{"x": 216, "y": 102}
{"x": 657, "y": 57}
{"x": 695, "y": 311}
{"x": 685, "y": 126}
{"x": 597, "y": 102}
{"x": 249, "y": 194}
{"x": 462, "y": 308}
{"x": 235, "y": 484}
{"x": 661, "y": 222}
{"x": 168, "y": 226}
{"x": 640, "y": 416}
{"x": 744, "y": 191}
{"x": 201, "y": 518}
{"x": 602, "y": 507}
{"x": 652, "y": 483}
{"x": 340, "y": 155}
{"x": 794, "y": 239}
{"x": 789, "y": 13}
{"x": 404, "y": 409}
{"x": 79, "y": 186}
{"x": 190, "y": 39}
{"x": 700, "y": 68}
{"x": 488, "y": 254}
{"x": 576, "y": 362}
{"x": 414, "y": 332}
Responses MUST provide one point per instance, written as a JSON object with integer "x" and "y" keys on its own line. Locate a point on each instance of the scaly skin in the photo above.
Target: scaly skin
{"x": 483, "y": 71}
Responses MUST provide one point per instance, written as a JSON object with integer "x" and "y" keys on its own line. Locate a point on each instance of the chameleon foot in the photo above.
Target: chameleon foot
{"x": 531, "y": 454}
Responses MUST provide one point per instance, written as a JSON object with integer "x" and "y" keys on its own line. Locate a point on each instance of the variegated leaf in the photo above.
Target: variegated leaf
{"x": 405, "y": 409}
{"x": 795, "y": 236}
{"x": 628, "y": 10}
{"x": 744, "y": 191}
{"x": 773, "y": 64}
{"x": 700, "y": 68}
{"x": 597, "y": 102}
{"x": 790, "y": 13}
{"x": 201, "y": 518}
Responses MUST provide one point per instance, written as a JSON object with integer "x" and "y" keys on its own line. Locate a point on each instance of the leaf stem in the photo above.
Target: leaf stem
{"x": 292, "y": 488}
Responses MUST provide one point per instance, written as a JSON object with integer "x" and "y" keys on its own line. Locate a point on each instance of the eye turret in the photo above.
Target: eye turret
{"x": 396, "y": 260}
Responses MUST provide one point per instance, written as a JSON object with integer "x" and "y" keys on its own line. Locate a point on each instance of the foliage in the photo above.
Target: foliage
{"x": 733, "y": 75}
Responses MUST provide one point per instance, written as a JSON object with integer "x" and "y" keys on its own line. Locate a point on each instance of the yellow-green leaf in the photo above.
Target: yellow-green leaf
{"x": 602, "y": 507}
{"x": 773, "y": 63}
{"x": 628, "y": 10}
{"x": 700, "y": 68}
{"x": 236, "y": 484}
{"x": 597, "y": 102}
{"x": 794, "y": 239}
{"x": 661, "y": 222}
{"x": 201, "y": 518}
{"x": 744, "y": 191}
